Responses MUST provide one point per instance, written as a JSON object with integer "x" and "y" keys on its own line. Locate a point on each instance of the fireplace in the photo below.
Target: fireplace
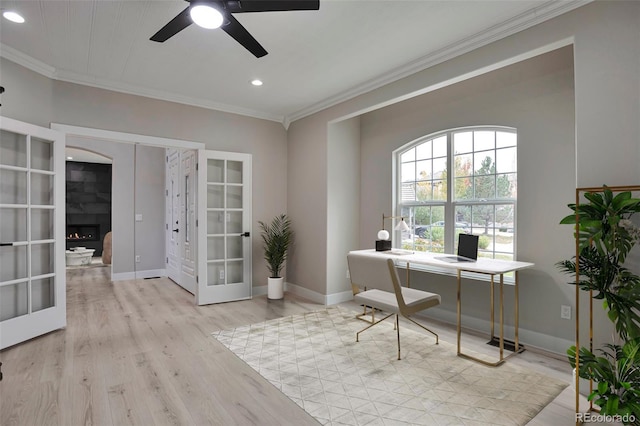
{"x": 79, "y": 233}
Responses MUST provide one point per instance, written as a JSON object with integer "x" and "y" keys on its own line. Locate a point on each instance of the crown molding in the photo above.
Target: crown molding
{"x": 27, "y": 61}
{"x": 61, "y": 75}
{"x": 525, "y": 20}
{"x": 75, "y": 78}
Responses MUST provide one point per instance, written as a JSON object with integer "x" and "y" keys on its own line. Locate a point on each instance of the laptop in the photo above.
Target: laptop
{"x": 467, "y": 249}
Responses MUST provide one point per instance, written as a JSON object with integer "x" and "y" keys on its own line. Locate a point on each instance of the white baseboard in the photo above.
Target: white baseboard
{"x": 539, "y": 341}
{"x": 305, "y": 293}
{"x": 139, "y": 275}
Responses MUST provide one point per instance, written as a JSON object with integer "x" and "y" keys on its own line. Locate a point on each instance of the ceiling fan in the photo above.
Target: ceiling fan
{"x": 217, "y": 14}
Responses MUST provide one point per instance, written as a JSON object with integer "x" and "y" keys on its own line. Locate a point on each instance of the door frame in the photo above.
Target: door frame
{"x": 131, "y": 139}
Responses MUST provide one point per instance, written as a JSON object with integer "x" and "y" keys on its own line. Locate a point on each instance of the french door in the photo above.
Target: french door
{"x": 32, "y": 234}
{"x": 181, "y": 217}
{"x": 173, "y": 214}
{"x": 224, "y": 217}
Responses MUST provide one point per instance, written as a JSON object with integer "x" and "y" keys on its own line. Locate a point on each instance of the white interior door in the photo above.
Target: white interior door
{"x": 187, "y": 236}
{"x": 224, "y": 210}
{"x": 32, "y": 232}
{"x": 173, "y": 214}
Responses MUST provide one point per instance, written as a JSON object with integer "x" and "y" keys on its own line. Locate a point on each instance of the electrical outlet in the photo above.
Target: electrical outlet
{"x": 348, "y": 276}
{"x": 137, "y": 258}
{"x": 221, "y": 274}
{"x": 565, "y": 312}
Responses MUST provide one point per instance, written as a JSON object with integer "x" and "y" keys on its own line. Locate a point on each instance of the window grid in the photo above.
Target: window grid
{"x": 479, "y": 196}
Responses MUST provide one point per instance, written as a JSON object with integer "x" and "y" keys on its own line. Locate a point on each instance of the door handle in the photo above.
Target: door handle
{"x": 176, "y": 230}
{"x": 245, "y": 234}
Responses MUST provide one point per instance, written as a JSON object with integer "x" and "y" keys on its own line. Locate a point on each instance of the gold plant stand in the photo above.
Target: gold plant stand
{"x": 579, "y": 193}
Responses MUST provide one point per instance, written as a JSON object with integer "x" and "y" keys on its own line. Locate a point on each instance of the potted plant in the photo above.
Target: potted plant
{"x": 277, "y": 237}
{"x": 605, "y": 236}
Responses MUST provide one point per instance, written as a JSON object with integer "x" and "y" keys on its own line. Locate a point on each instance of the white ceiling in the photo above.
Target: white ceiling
{"x": 316, "y": 58}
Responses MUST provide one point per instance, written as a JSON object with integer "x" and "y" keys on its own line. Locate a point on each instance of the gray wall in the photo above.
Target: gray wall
{"x": 343, "y": 210}
{"x": 150, "y": 203}
{"x": 536, "y": 97}
{"x": 604, "y": 36}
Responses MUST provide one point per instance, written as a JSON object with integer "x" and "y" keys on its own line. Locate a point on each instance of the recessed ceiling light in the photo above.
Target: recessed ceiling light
{"x": 256, "y": 82}
{"x": 13, "y": 17}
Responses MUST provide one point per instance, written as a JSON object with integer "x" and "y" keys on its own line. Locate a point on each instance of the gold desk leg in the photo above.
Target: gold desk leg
{"x": 492, "y": 310}
{"x": 408, "y": 277}
{"x": 517, "y": 313}
{"x": 398, "y": 333}
{"x": 501, "y": 303}
{"x": 501, "y": 317}
{"x": 459, "y": 314}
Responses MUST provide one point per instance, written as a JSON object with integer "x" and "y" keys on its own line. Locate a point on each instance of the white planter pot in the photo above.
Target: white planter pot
{"x": 275, "y": 288}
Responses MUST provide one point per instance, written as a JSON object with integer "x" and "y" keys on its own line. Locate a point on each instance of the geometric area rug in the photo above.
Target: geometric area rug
{"x": 314, "y": 359}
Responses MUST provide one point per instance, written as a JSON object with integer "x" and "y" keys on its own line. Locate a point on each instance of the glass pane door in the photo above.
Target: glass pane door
{"x": 227, "y": 215}
{"x": 32, "y": 281}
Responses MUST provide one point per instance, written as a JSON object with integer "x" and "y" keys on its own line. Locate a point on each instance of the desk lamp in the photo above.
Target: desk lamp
{"x": 383, "y": 243}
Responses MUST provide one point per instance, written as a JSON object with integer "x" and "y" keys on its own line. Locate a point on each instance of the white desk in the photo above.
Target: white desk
{"x": 491, "y": 267}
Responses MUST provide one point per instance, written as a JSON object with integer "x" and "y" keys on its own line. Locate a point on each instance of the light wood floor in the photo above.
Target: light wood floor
{"x": 140, "y": 352}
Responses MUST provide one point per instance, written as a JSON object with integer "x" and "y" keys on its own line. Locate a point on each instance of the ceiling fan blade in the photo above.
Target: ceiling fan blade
{"x": 271, "y": 5}
{"x": 177, "y": 24}
{"x": 242, "y": 36}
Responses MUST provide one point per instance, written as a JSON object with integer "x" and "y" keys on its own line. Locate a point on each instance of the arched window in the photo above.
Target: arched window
{"x": 459, "y": 180}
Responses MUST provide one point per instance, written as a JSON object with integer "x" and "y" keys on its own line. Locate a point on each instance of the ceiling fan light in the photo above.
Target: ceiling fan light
{"x": 206, "y": 16}
{"x": 13, "y": 17}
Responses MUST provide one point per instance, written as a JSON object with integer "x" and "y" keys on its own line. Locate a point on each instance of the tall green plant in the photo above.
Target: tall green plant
{"x": 617, "y": 373}
{"x": 605, "y": 236}
{"x": 276, "y": 237}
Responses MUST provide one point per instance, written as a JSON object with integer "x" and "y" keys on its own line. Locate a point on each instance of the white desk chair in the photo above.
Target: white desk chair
{"x": 380, "y": 276}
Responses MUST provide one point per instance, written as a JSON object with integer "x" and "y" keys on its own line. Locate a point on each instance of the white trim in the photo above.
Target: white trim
{"x": 27, "y": 61}
{"x": 329, "y": 299}
{"x": 335, "y": 298}
{"x": 132, "y": 138}
{"x": 305, "y": 293}
{"x": 138, "y": 275}
{"x": 123, "y": 276}
{"x": 117, "y": 86}
{"x": 151, "y": 273}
